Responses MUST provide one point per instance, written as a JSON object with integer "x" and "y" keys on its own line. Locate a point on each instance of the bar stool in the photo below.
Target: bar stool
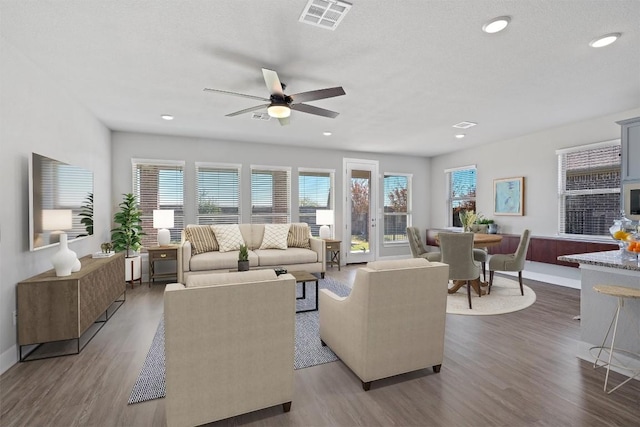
{"x": 620, "y": 292}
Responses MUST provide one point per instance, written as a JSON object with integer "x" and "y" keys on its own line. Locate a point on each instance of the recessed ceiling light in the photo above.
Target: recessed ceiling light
{"x": 326, "y": 133}
{"x": 496, "y": 24}
{"x": 167, "y": 117}
{"x": 460, "y": 135}
{"x": 605, "y": 40}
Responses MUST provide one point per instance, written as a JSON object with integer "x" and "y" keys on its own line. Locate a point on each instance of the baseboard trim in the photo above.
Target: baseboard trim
{"x": 8, "y": 358}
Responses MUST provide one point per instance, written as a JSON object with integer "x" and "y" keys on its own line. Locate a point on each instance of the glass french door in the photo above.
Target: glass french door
{"x": 360, "y": 213}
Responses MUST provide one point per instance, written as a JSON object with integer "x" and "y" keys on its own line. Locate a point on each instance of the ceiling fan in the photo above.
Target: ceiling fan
{"x": 280, "y": 105}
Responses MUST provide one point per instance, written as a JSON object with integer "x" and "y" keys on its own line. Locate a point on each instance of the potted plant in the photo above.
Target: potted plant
{"x": 86, "y": 212}
{"x": 127, "y": 236}
{"x": 243, "y": 258}
{"x": 492, "y": 227}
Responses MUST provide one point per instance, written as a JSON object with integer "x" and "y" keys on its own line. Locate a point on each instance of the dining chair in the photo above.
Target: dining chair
{"x": 418, "y": 249}
{"x": 457, "y": 251}
{"x": 481, "y": 254}
{"x": 510, "y": 262}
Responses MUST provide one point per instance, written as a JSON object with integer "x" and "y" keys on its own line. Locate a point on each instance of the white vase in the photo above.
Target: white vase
{"x": 65, "y": 259}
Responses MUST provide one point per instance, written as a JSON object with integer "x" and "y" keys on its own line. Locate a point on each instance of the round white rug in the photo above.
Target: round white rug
{"x": 505, "y": 298}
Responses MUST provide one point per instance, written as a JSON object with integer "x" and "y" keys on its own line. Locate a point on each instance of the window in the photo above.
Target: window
{"x": 397, "y": 207}
{"x": 158, "y": 184}
{"x": 315, "y": 191}
{"x": 461, "y": 193}
{"x": 270, "y": 195}
{"x": 589, "y": 188}
{"x": 218, "y": 193}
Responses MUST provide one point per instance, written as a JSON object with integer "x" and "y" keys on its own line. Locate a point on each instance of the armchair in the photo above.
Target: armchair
{"x": 393, "y": 320}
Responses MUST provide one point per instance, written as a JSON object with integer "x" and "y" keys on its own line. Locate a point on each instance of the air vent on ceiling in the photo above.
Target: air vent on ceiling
{"x": 261, "y": 116}
{"x": 324, "y": 13}
{"x": 464, "y": 125}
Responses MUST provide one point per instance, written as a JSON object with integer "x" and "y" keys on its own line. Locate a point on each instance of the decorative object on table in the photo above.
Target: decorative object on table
{"x": 65, "y": 260}
{"x": 324, "y": 218}
{"x": 162, "y": 220}
{"x": 86, "y": 213}
{"x": 128, "y": 235}
{"x": 492, "y": 227}
{"x": 508, "y": 196}
{"x": 106, "y": 247}
{"x": 243, "y": 258}
{"x": 623, "y": 231}
{"x": 468, "y": 218}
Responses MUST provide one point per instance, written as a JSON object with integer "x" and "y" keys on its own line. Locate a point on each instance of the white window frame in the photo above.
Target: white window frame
{"x": 448, "y": 190}
{"x": 563, "y": 192}
{"x": 331, "y": 172}
{"x": 408, "y": 214}
{"x": 219, "y": 218}
{"x": 284, "y": 218}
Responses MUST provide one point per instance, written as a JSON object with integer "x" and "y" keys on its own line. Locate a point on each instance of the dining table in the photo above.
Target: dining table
{"x": 480, "y": 240}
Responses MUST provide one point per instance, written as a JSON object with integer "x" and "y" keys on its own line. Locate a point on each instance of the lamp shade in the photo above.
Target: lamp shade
{"x": 162, "y": 218}
{"x": 324, "y": 217}
{"x": 57, "y": 219}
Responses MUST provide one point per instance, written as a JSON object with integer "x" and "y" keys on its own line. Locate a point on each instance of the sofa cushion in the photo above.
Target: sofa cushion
{"x": 230, "y": 278}
{"x": 273, "y": 257}
{"x": 298, "y": 236}
{"x": 201, "y": 238}
{"x": 275, "y": 236}
{"x": 228, "y": 236}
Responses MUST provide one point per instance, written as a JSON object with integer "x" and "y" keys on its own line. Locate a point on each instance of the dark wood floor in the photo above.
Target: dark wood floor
{"x": 516, "y": 369}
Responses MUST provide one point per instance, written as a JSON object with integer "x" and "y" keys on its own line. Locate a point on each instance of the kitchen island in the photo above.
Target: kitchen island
{"x": 596, "y": 309}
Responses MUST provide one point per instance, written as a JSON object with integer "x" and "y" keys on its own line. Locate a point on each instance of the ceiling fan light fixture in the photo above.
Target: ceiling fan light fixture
{"x": 279, "y": 111}
{"x": 605, "y": 40}
{"x": 496, "y": 24}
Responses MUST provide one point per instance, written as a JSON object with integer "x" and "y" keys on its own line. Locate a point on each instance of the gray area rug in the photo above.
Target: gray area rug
{"x": 150, "y": 383}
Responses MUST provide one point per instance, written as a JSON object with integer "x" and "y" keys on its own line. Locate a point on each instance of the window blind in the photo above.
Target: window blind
{"x": 315, "y": 191}
{"x": 270, "y": 195}
{"x": 589, "y": 189}
{"x": 159, "y": 184}
{"x": 218, "y": 193}
{"x": 461, "y": 193}
{"x": 397, "y": 207}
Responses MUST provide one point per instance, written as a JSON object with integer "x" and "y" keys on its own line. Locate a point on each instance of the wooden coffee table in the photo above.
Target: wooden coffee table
{"x": 304, "y": 277}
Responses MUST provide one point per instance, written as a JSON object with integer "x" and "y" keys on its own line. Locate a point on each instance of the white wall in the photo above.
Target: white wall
{"x": 135, "y": 145}
{"x": 39, "y": 116}
{"x": 532, "y": 156}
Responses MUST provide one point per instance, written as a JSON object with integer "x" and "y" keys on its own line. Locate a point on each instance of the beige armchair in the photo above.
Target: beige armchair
{"x": 511, "y": 262}
{"x": 229, "y": 345}
{"x": 393, "y": 320}
{"x": 418, "y": 249}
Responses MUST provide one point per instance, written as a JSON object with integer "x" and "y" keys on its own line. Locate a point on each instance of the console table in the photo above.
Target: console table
{"x": 52, "y": 308}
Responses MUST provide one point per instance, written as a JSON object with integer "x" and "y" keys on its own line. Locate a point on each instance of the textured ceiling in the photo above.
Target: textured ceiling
{"x": 410, "y": 69}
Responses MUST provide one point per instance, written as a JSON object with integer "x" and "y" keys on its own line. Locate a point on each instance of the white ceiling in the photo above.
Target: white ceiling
{"x": 410, "y": 69}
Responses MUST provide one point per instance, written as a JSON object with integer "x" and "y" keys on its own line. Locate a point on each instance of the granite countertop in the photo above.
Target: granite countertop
{"x": 612, "y": 259}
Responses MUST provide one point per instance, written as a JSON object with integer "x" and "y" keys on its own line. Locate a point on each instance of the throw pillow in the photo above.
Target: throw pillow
{"x": 228, "y": 236}
{"x": 275, "y": 236}
{"x": 201, "y": 238}
{"x": 299, "y": 236}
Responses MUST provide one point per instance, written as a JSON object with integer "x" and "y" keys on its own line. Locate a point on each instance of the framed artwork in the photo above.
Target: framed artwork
{"x": 508, "y": 196}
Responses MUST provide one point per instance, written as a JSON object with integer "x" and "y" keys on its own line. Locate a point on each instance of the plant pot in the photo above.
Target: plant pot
{"x": 243, "y": 265}
{"x": 493, "y": 228}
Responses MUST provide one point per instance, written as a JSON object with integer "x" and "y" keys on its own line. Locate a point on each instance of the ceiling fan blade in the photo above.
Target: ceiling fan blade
{"x": 305, "y": 108}
{"x": 284, "y": 121}
{"x": 314, "y": 95}
{"x": 226, "y": 92}
{"x": 247, "y": 110}
{"x": 273, "y": 82}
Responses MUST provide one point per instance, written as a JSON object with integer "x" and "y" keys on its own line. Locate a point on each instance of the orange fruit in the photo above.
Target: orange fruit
{"x": 631, "y": 247}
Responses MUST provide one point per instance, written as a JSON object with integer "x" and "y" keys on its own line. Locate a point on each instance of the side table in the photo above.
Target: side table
{"x": 333, "y": 247}
{"x": 161, "y": 253}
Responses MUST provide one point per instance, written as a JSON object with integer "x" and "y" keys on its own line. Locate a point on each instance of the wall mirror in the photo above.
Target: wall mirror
{"x": 60, "y": 201}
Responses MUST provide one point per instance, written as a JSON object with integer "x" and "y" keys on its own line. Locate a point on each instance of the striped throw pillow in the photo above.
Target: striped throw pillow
{"x": 201, "y": 238}
{"x": 299, "y": 236}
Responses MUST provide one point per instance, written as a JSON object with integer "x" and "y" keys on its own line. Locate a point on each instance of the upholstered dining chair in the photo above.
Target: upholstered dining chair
{"x": 481, "y": 254}
{"x": 510, "y": 262}
{"x": 457, "y": 251}
{"x": 417, "y": 247}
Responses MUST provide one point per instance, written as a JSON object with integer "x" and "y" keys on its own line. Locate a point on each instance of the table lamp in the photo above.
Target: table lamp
{"x": 162, "y": 220}
{"x": 324, "y": 218}
{"x": 56, "y": 221}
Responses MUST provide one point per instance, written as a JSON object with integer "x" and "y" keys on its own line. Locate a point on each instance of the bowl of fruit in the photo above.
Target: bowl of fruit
{"x": 631, "y": 244}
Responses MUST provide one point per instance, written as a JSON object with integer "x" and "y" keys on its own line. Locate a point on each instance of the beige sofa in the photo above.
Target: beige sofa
{"x": 393, "y": 320}
{"x": 311, "y": 260}
{"x": 229, "y": 345}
